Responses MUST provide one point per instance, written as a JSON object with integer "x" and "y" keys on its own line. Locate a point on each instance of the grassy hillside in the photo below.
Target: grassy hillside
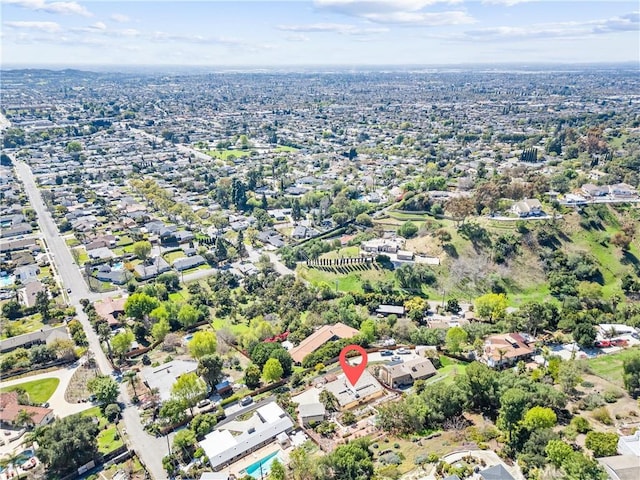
{"x": 471, "y": 262}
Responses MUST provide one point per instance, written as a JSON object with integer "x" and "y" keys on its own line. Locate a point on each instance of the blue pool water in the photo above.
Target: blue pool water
{"x": 25, "y": 455}
{"x": 187, "y": 338}
{"x": 254, "y": 469}
{"x": 118, "y": 266}
{"x": 7, "y": 280}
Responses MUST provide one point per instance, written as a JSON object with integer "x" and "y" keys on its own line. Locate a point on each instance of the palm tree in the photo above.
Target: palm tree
{"x": 104, "y": 334}
{"x": 24, "y": 418}
{"x": 329, "y": 400}
{"x": 11, "y": 460}
{"x": 131, "y": 377}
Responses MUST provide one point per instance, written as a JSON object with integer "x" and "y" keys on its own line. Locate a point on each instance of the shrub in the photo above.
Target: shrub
{"x": 396, "y": 445}
{"x": 391, "y": 459}
{"x": 592, "y": 401}
{"x": 580, "y": 424}
{"x": 612, "y": 396}
{"x": 602, "y": 415}
{"x": 587, "y": 384}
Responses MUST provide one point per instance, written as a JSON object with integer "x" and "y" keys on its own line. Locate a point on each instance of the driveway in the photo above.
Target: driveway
{"x": 57, "y": 403}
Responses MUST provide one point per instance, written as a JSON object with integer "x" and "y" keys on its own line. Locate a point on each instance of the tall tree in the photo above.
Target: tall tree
{"x": 204, "y": 342}
{"x": 189, "y": 389}
{"x": 272, "y": 370}
{"x": 210, "y": 369}
{"x": 142, "y": 249}
{"x": 68, "y": 443}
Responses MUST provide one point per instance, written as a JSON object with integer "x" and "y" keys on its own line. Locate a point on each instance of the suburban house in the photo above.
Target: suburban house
{"x": 152, "y": 269}
{"x": 626, "y": 465}
{"x": 366, "y": 389}
{"x": 591, "y": 190}
{"x": 111, "y": 309}
{"x": 186, "y": 263}
{"x": 46, "y": 335}
{"x": 403, "y": 374}
{"x": 164, "y": 376}
{"x": 27, "y": 273}
{"x": 622, "y": 190}
{"x": 386, "y": 310}
{"x": 380, "y": 245}
{"x": 497, "y": 472}
{"x": 30, "y": 292}
{"x": 324, "y": 334}
{"x": 505, "y": 350}
{"x": 529, "y": 207}
{"x": 10, "y": 408}
{"x": 238, "y": 438}
{"x": 311, "y": 413}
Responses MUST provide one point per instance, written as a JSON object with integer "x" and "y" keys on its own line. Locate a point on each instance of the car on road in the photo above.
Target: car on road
{"x": 403, "y": 351}
{"x": 45, "y": 404}
{"x": 203, "y": 403}
{"x": 386, "y": 353}
{"x": 246, "y": 401}
{"x": 68, "y": 290}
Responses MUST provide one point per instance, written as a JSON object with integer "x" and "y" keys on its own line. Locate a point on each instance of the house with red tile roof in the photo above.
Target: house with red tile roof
{"x": 10, "y": 409}
{"x": 506, "y": 350}
{"x": 324, "y": 334}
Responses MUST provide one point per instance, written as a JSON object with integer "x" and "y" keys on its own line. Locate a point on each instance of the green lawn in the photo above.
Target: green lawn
{"x": 350, "y": 282}
{"x": 343, "y": 252}
{"x": 228, "y": 154}
{"x": 72, "y": 242}
{"x": 125, "y": 241}
{"x": 609, "y": 367}
{"x": 171, "y": 256}
{"x": 284, "y": 148}
{"x": 39, "y": 391}
{"x": 238, "y": 329}
{"x": 107, "y": 441}
{"x": 449, "y": 370}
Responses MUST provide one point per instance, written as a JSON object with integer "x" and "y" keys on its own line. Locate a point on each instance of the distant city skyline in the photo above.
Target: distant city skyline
{"x": 317, "y": 32}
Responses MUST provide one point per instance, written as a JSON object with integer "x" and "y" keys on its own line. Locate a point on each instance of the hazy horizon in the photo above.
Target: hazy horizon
{"x": 260, "y": 34}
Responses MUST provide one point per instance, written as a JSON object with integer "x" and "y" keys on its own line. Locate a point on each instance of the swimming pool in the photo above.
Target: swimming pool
{"x": 118, "y": 266}
{"x": 7, "y": 280}
{"x": 255, "y": 469}
{"x": 187, "y": 338}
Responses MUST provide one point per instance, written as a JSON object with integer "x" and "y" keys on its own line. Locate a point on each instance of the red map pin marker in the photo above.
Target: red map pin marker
{"x": 353, "y": 372}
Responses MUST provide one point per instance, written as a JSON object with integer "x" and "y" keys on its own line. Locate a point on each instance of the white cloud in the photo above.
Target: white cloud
{"x": 64, "y": 8}
{"x": 398, "y": 12}
{"x": 341, "y": 28}
{"x": 629, "y": 22}
{"x": 297, "y": 37}
{"x": 506, "y": 3}
{"x": 49, "y": 27}
{"x": 120, "y": 18}
{"x": 430, "y": 19}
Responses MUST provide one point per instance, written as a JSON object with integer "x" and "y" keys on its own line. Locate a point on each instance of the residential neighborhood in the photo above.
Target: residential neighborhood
{"x": 185, "y": 256}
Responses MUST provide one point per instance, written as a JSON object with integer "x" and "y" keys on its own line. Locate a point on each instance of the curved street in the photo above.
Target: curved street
{"x": 148, "y": 448}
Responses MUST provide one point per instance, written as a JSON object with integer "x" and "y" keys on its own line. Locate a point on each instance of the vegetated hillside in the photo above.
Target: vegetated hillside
{"x": 531, "y": 260}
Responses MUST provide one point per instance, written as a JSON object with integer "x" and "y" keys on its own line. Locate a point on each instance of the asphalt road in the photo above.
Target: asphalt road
{"x": 150, "y": 449}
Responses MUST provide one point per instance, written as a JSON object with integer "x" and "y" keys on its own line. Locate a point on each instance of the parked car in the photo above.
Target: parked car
{"x": 403, "y": 351}
{"x": 203, "y": 403}
{"x": 386, "y": 353}
{"x": 246, "y": 401}
{"x": 396, "y": 358}
{"x": 603, "y": 344}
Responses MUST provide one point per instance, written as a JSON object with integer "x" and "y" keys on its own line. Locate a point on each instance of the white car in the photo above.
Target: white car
{"x": 403, "y": 351}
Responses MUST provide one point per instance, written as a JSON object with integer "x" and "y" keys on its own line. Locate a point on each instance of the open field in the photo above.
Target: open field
{"x": 609, "y": 366}
{"x": 39, "y": 391}
{"x": 349, "y": 282}
{"x": 228, "y": 154}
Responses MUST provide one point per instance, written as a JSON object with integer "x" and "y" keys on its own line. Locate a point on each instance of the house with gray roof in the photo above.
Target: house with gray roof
{"x": 186, "y": 263}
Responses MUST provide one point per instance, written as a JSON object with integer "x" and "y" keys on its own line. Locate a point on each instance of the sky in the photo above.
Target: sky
{"x": 317, "y": 32}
